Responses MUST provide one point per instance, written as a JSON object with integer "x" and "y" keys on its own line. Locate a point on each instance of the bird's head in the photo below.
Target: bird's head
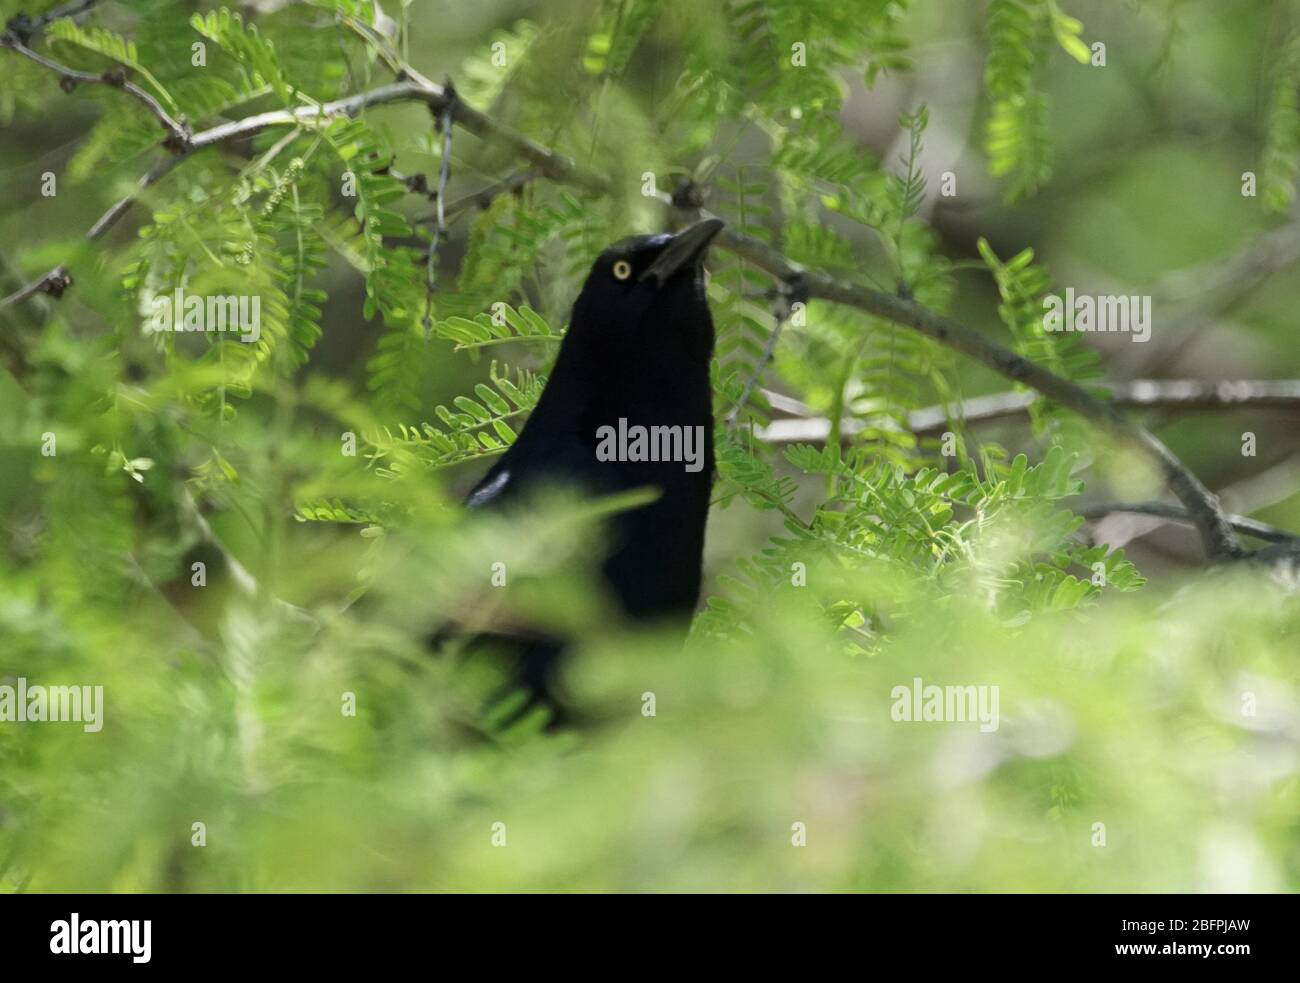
{"x": 645, "y": 299}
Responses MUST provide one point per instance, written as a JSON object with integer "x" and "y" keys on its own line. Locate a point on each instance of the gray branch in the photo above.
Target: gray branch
{"x": 1163, "y": 510}
{"x": 25, "y": 28}
{"x": 484, "y": 197}
{"x": 1181, "y": 394}
{"x": 177, "y": 135}
{"x": 53, "y": 283}
{"x": 57, "y": 280}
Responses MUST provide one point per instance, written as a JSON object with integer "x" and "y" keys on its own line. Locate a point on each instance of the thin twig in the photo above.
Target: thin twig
{"x": 781, "y": 303}
{"x": 484, "y": 197}
{"x": 1163, "y": 510}
{"x": 120, "y": 207}
{"x": 57, "y": 280}
{"x": 27, "y": 28}
{"x": 440, "y": 226}
{"x": 178, "y": 134}
{"x": 53, "y": 283}
{"x": 545, "y": 162}
{"x": 1244, "y": 497}
{"x": 244, "y": 581}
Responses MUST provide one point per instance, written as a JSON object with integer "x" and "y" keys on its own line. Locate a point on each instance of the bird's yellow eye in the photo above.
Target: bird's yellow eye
{"x": 622, "y": 270}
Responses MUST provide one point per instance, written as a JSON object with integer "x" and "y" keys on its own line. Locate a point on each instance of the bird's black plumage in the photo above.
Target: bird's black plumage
{"x": 636, "y": 354}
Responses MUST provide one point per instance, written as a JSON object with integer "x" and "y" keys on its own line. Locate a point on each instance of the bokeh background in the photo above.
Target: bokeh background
{"x": 1126, "y": 760}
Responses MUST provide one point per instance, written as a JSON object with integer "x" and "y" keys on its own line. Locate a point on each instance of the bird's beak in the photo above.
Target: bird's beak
{"x": 687, "y": 248}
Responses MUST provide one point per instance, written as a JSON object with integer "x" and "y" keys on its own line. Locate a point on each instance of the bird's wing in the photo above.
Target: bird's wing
{"x": 492, "y": 486}
{"x": 559, "y": 460}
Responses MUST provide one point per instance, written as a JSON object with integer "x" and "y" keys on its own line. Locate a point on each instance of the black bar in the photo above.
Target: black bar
{"x": 333, "y": 932}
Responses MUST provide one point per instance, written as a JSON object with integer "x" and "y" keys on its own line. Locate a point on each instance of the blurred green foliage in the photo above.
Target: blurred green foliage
{"x": 1148, "y": 738}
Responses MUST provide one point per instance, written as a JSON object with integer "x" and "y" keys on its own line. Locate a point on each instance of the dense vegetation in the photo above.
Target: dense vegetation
{"x": 246, "y": 542}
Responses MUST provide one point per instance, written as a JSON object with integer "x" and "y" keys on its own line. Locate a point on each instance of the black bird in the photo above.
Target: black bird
{"x": 636, "y": 354}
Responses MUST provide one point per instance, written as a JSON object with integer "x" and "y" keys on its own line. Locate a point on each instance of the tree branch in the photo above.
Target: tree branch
{"x": 781, "y": 310}
{"x": 436, "y": 97}
{"x": 53, "y": 283}
{"x": 1183, "y": 394}
{"x": 69, "y": 78}
{"x": 57, "y": 280}
{"x": 1163, "y": 510}
{"x": 484, "y": 197}
{"x": 25, "y": 28}
{"x": 1244, "y": 497}
{"x": 120, "y": 207}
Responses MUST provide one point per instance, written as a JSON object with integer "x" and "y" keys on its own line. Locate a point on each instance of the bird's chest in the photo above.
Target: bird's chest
{"x": 656, "y": 552}
{"x": 654, "y": 425}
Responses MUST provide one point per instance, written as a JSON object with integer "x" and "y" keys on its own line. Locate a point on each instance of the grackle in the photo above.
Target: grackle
{"x": 628, "y": 405}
